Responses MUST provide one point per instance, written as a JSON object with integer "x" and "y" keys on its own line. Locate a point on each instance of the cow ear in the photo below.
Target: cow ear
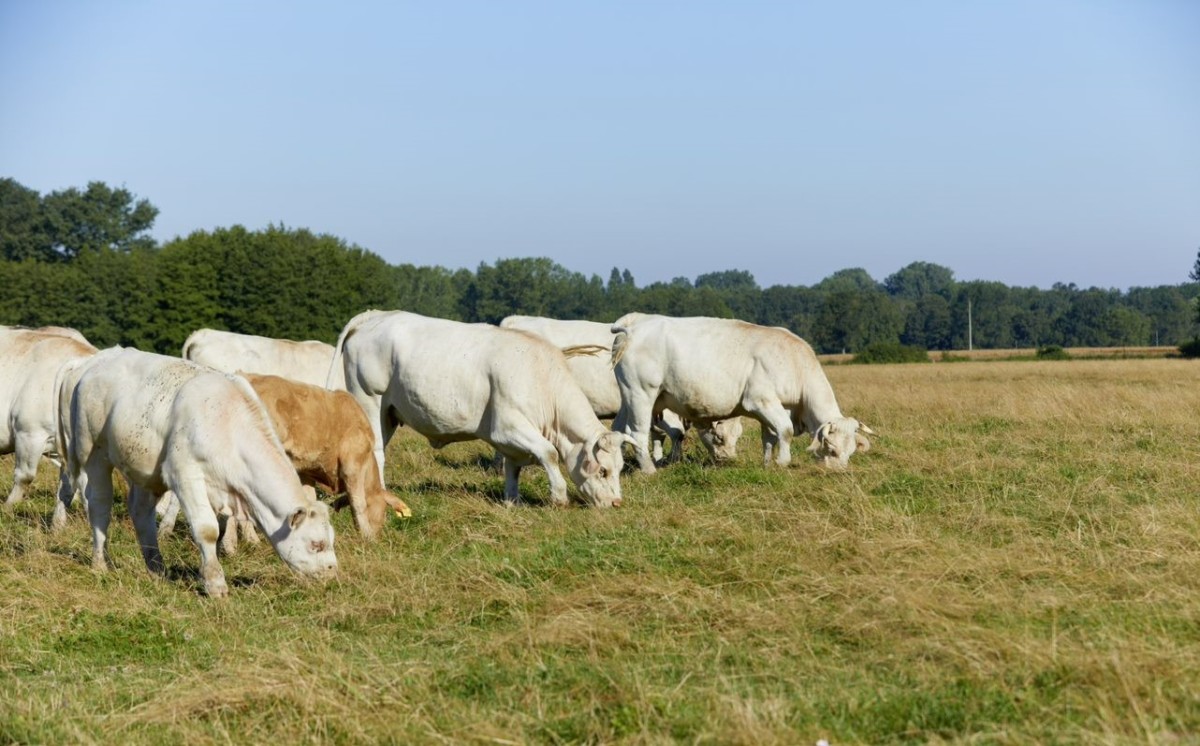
{"x": 864, "y": 445}
{"x": 297, "y": 518}
{"x": 818, "y": 438}
{"x": 611, "y": 441}
{"x": 591, "y": 466}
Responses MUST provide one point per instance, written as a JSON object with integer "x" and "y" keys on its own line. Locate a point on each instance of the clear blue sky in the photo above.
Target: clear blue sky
{"x": 1029, "y": 142}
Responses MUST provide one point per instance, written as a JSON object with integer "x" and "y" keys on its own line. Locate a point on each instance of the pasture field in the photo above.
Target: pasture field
{"x": 1016, "y": 560}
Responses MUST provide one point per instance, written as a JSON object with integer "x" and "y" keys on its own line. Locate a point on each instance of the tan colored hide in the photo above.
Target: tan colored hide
{"x": 328, "y": 438}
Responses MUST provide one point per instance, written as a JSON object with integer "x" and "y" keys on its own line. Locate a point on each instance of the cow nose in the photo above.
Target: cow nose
{"x": 616, "y": 503}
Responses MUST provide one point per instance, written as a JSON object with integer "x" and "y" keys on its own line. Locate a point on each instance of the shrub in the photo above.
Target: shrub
{"x": 891, "y": 352}
{"x": 1191, "y": 348}
{"x": 1052, "y": 352}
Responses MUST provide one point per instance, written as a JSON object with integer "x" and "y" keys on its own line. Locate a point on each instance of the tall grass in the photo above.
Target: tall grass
{"x": 1017, "y": 559}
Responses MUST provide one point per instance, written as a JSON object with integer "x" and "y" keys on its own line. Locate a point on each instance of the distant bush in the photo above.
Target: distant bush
{"x": 891, "y": 352}
{"x": 1052, "y": 352}
{"x": 1191, "y": 348}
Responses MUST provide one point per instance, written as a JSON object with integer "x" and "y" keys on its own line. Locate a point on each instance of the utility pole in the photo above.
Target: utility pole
{"x": 970, "y": 341}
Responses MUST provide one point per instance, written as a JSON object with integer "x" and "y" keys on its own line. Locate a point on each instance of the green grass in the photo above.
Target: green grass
{"x": 1015, "y": 560}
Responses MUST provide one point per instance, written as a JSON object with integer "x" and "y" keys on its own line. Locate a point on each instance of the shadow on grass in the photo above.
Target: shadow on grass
{"x": 479, "y": 461}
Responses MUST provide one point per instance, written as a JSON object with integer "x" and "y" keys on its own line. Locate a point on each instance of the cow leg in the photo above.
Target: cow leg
{"x": 768, "y": 442}
{"x": 193, "y": 497}
{"x": 637, "y": 409}
{"x": 27, "y": 450}
{"x": 558, "y": 485}
{"x": 527, "y": 439}
{"x": 228, "y": 542}
{"x": 245, "y": 523}
{"x": 66, "y": 496}
{"x": 512, "y": 492}
{"x": 140, "y": 503}
{"x": 96, "y": 484}
{"x": 777, "y": 419}
{"x": 168, "y": 508}
{"x": 674, "y": 428}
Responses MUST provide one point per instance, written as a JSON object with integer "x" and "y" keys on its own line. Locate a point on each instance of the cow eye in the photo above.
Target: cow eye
{"x": 317, "y": 547}
{"x": 603, "y": 472}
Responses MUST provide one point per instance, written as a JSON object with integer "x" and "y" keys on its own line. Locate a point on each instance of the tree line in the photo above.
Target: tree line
{"x": 84, "y": 258}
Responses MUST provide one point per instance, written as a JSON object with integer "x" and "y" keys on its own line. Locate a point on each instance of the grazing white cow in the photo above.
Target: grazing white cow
{"x": 452, "y": 382}
{"x": 172, "y": 425}
{"x": 29, "y": 359}
{"x": 708, "y": 369}
{"x": 307, "y": 362}
{"x": 594, "y": 374}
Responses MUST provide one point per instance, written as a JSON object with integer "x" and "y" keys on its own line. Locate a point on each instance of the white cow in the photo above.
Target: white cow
{"x": 307, "y": 362}
{"x": 594, "y": 374}
{"x": 29, "y": 358}
{"x": 708, "y": 369}
{"x": 452, "y": 382}
{"x": 171, "y": 425}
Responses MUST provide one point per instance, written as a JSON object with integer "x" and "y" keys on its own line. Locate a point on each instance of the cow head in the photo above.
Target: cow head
{"x": 721, "y": 438}
{"x": 305, "y": 540}
{"x": 595, "y": 468}
{"x": 837, "y": 440}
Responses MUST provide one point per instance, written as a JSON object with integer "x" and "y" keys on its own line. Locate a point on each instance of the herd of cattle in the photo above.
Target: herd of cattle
{"x": 242, "y": 429}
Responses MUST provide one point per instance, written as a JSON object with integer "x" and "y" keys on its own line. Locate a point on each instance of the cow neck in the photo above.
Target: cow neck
{"x": 267, "y": 490}
{"x": 818, "y": 404}
{"x": 567, "y": 432}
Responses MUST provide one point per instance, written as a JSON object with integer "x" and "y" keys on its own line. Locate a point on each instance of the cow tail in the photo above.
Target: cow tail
{"x": 61, "y": 404}
{"x": 347, "y": 331}
{"x": 188, "y": 344}
{"x": 620, "y": 343}
{"x": 583, "y": 350}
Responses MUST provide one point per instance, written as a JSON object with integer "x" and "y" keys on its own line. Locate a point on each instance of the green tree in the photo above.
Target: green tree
{"x": 730, "y": 279}
{"x": 278, "y": 282}
{"x": 920, "y": 279}
{"x": 22, "y": 226}
{"x": 927, "y": 323}
{"x": 534, "y": 286}
{"x": 793, "y": 307}
{"x": 620, "y": 294}
{"x": 855, "y": 280}
{"x": 737, "y": 289}
{"x": 1170, "y": 308}
{"x": 432, "y": 291}
{"x": 96, "y": 219}
{"x": 850, "y": 320}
